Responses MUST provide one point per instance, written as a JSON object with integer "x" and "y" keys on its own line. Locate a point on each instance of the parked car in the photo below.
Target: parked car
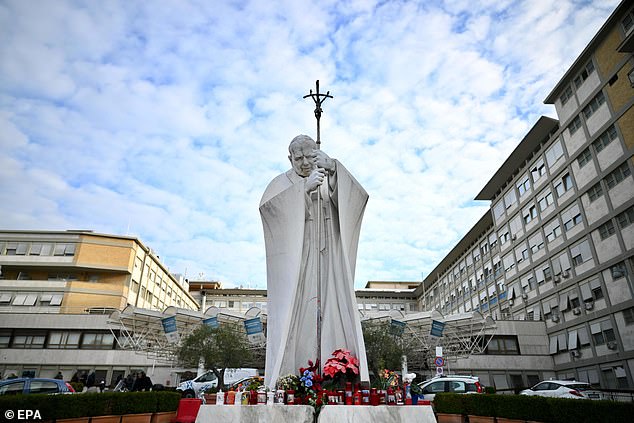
{"x": 564, "y": 389}
{"x": 451, "y": 383}
{"x": 193, "y": 388}
{"x": 245, "y": 382}
{"x": 35, "y": 386}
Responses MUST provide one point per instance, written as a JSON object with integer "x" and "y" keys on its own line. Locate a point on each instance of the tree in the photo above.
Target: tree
{"x": 218, "y": 348}
{"x": 384, "y": 349}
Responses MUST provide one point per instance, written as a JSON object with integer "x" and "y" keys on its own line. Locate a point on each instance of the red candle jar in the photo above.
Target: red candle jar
{"x": 374, "y": 397}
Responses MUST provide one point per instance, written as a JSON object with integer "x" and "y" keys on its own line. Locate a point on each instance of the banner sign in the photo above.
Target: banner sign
{"x": 170, "y": 329}
{"x": 397, "y": 327}
{"x": 437, "y": 328}
{"x": 254, "y": 329}
{"x": 212, "y": 322}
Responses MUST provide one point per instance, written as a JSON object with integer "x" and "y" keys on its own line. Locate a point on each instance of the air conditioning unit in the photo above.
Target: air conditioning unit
{"x": 612, "y": 345}
{"x": 566, "y": 274}
{"x": 511, "y": 301}
{"x": 589, "y": 305}
{"x": 557, "y": 279}
{"x": 514, "y": 237}
{"x": 555, "y": 318}
{"x": 525, "y": 296}
{"x": 576, "y": 311}
{"x": 575, "y": 354}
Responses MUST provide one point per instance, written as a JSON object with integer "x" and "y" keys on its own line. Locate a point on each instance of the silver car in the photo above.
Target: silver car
{"x": 453, "y": 383}
{"x": 564, "y": 389}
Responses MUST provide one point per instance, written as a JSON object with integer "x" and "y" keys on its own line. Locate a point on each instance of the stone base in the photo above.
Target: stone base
{"x": 305, "y": 414}
{"x": 255, "y": 414}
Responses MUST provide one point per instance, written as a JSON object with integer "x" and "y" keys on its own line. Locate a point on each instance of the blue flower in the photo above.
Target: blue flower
{"x": 309, "y": 383}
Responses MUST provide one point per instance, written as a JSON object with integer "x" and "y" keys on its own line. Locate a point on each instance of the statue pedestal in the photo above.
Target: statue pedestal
{"x": 305, "y": 414}
{"x": 380, "y": 413}
{"x": 255, "y": 414}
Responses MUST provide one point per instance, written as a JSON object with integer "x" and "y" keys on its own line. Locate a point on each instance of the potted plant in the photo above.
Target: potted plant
{"x": 480, "y": 408}
{"x": 210, "y": 395}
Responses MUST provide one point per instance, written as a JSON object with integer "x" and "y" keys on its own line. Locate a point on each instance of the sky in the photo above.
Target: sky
{"x": 165, "y": 120}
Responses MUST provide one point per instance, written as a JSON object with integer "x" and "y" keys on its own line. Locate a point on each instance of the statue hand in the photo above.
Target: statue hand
{"x": 315, "y": 179}
{"x": 323, "y": 161}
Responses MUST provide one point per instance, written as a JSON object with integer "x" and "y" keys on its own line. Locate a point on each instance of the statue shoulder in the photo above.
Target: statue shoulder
{"x": 278, "y": 184}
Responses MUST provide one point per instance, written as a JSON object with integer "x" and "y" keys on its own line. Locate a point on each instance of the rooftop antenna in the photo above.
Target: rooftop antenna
{"x": 318, "y": 98}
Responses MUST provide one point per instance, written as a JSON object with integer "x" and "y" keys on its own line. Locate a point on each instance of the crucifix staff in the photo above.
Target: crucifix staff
{"x": 318, "y": 98}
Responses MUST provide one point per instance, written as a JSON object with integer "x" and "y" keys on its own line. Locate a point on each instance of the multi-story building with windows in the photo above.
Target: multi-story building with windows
{"x": 557, "y": 243}
{"x": 57, "y": 290}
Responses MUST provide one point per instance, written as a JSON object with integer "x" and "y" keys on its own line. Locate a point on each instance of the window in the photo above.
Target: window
{"x": 29, "y": 340}
{"x": 504, "y": 237}
{"x": 548, "y": 274}
{"x": 64, "y": 250}
{"x": 571, "y": 217}
{"x": 626, "y": 218}
{"x": 628, "y": 22}
{"x": 583, "y": 75}
{"x": 584, "y": 158}
{"x": 538, "y": 170}
{"x": 498, "y": 209}
{"x": 580, "y": 253}
{"x": 545, "y": 199}
{"x": 564, "y": 184}
{"x": 566, "y": 95}
{"x": 552, "y": 230}
{"x": 574, "y": 125}
{"x": 529, "y": 213}
{"x": 14, "y": 388}
{"x": 25, "y": 299}
{"x": 602, "y": 332}
{"x": 595, "y": 192}
{"x": 97, "y": 340}
{"x": 607, "y": 230}
{"x": 61, "y": 340}
{"x": 524, "y": 186}
{"x": 604, "y": 139}
{"x": 554, "y": 153}
{"x": 618, "y": 271}
{"x": 628, "y": 316}
{"x": 510, "y": 198}
{"x": 594, "y": 105}
{"x": 536, "y": 242}
{"x": 617, "y": 175}
{"x": 503, "y": 345}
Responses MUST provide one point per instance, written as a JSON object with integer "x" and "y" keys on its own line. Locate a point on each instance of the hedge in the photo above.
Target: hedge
{"x": 68, "y": 406}
{"x": 540, "y": 409}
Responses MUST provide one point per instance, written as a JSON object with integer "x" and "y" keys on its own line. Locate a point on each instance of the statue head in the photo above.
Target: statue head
{"x": 302, "y": 154}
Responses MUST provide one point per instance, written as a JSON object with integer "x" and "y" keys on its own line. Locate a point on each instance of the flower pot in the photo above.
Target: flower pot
{"x": 164, "y": 417}
{"x": 105, "y": 419}
{"x": 210, "y": 398}
{"x": 449, "y": 418}
{"x": 481, "y": 419}
{"x": 136, "y": 418}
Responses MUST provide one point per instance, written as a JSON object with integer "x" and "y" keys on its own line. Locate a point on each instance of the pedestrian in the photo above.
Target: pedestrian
{"x": 59, "y": 376}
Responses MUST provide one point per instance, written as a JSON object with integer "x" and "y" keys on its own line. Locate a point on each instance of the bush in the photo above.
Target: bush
{"x": 534, "y": 408}
{"x": 92, "y": 404}
{"x": 449, "y": 403}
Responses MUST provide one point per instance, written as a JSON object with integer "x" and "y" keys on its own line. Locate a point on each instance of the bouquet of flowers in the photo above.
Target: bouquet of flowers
{"x": 387, "y": 378}
{"x": 310, "y": 384}
{"x": 288, "y": 382}
{"x": 342, "y": 367}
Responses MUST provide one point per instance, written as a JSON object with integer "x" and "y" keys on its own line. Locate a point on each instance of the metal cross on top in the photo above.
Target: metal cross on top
{"x": 318, "y": 99}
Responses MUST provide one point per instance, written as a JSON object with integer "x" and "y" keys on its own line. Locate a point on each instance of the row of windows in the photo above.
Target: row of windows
{"x": 10, "y": 248}
{"x": 578, "y": 82}
{"x": 30, "y": 299}
{"x": 56, "y": 339}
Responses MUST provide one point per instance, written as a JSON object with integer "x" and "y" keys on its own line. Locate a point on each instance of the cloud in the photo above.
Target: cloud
{"x": 167, "y": 120}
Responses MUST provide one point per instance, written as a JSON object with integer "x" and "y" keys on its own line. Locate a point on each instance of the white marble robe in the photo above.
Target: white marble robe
{"x": 289, "y": 221}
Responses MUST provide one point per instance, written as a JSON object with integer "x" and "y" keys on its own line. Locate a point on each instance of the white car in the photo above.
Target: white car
{"x": 564, "y": 389}
{"x": 193, "y": 388}
{"x": 452, "y": 383}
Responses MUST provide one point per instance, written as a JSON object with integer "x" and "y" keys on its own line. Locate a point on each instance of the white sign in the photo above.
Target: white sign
{"x": 438, "y": 351}
{"x": 439, "y": 371}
